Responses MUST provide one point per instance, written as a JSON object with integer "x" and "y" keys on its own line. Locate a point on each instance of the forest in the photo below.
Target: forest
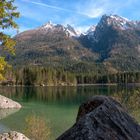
{"x": 50, "y": 76}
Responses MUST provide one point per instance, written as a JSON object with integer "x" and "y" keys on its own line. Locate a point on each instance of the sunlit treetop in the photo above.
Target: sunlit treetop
{"x": 8, "y": 14}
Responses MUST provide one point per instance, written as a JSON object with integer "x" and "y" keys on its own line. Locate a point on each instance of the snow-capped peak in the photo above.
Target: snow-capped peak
{"x": 71, "y": 31}
{"x": 117, "y": 22}
{"x": 68, "y": 29}
{"x": 119, "y": 18}
{"x": 91, "y": 30}
{"x": 48, "y": 25}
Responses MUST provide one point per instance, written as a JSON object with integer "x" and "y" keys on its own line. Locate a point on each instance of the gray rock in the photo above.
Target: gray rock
{"x": 102, "y": 118}
{"x": 8, "y": 103}
{"x": 13, "y": 135}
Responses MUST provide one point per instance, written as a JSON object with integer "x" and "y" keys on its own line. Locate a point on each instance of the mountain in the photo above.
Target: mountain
{"x": 51, "y": 44}
{"x": 90, "y": 31}
{"x": 117, "y": 41}
{"x": 114, "y": 44}
{"x": 50, "y": 27}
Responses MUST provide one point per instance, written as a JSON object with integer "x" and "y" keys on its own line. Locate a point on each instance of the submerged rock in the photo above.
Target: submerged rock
{"x": 8, "y": 103}
{"x": 102, "y": 118}
{"x": 13, "y": 135}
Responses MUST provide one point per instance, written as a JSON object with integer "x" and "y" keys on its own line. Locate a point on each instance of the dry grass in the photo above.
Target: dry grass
{"x": 37, "y": 128}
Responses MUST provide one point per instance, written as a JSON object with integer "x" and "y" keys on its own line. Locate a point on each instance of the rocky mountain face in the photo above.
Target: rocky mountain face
{"x": 114, "y": 43}
{"x": 51, "y": 43}
{"x": 50, "y": 27}
{"x": 117, "y": 41}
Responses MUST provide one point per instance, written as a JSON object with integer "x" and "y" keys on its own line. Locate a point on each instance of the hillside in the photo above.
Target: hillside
{"x": 113, "y": 45}
{"x": 51, "y": 44}
{"x": 117, "y": 41}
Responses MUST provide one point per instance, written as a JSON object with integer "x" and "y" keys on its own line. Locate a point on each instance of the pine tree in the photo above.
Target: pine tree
{"x": 7, "y": 15}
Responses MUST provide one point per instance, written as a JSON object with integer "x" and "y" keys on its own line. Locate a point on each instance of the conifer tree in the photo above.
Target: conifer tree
{"x": 8, "y": 14}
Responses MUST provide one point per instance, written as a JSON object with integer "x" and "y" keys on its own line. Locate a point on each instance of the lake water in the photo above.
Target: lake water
{"x": 59, "y": 105}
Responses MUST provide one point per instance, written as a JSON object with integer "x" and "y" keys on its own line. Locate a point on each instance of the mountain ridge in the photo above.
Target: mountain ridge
{"x": 114, "y": 43}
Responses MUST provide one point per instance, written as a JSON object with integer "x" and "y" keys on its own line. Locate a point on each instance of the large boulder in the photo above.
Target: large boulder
{"x": 13, "y": 135}
{"x": 8, "y": 103}
{"x": 102, "y": 118}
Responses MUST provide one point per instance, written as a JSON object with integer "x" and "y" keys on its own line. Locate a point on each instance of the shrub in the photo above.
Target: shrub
{"x": 37, "y": 128}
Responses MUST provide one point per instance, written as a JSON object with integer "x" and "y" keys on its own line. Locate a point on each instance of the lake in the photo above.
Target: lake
{"x": 59, "y": 105}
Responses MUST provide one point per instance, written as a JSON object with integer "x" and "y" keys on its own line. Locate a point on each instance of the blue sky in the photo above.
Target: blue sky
{"x": 79, "y": 13}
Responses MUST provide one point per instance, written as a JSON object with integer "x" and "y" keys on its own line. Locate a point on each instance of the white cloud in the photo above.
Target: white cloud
{"x": 96, "y": 8}
{"x": 89, "y": 8}
{"x": 78, "y": 14}
{"x": 92, "y": 12}
{"x": 50, "y": 6}
{"x": 82, "y": 29}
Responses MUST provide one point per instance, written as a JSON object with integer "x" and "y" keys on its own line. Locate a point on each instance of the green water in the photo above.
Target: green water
{"x": 59, "y": 105}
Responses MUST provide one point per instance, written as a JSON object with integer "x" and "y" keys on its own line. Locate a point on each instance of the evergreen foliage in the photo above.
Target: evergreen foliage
{"x": 7, "y": 15}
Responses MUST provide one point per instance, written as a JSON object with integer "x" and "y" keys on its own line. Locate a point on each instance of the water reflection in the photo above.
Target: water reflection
{"x": 54, "y": 93}
{"x": 6, "y": 112}
{"x": 127, "y": 95}
{"x": 3, "y": 114}
{"x": 69, "y": 94}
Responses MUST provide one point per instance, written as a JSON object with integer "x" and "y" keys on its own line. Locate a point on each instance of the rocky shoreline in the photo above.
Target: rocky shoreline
{"x": 99, "y": 118}
{"x": 13, "y": 135}
{"x": 6, "y": 103}
{"x": 7, "y": 107}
